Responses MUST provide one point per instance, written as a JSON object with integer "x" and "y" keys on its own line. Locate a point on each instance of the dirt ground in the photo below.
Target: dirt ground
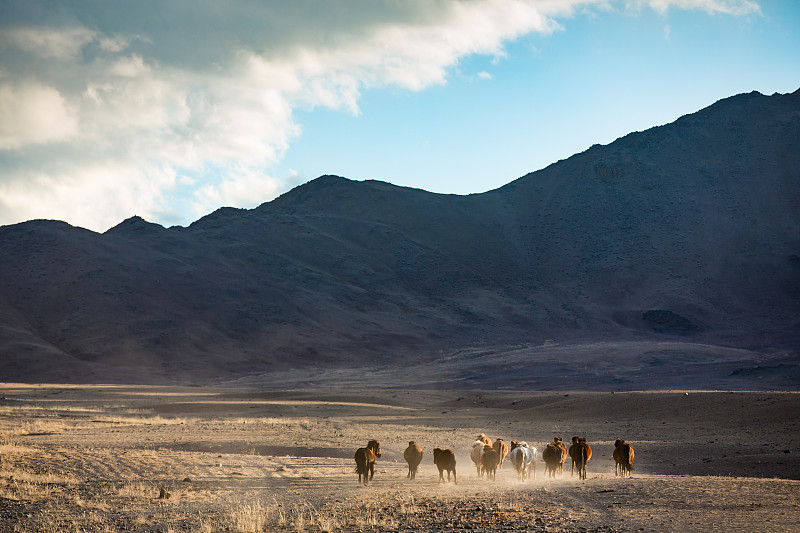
{"x": 167, "y": 459}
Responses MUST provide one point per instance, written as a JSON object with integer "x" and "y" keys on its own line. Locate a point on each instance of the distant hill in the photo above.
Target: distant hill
{"x": 688, "y": 232}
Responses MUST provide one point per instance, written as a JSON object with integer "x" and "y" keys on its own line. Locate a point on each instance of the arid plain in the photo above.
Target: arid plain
{"x": 167, "y": 459}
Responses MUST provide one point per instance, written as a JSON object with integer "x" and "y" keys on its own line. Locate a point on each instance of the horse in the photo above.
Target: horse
{"x": 476, "y": 454}
{"x": 559, "y": 442}
{"x": 445, "y": 460}
{"x": 623, "y": 457}
{"x": 365, "y": 460}
{"x": 413, "y": 456}
{"x": 581, "y": 452}
{"x": 552, "y": 458}
{"x": 523, "y": 457}
{"x": 490, "y": 459}
{"x": 501, "y": 448}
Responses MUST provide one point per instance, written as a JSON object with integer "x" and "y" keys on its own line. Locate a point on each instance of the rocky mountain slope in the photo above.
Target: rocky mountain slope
{"x": 688, "y": 231}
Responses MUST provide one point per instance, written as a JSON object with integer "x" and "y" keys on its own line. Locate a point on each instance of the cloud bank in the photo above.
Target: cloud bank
{"x": 113, "y": 109}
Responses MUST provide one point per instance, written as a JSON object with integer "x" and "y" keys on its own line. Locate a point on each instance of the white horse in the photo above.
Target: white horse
{"x": 523, "y": 457}
{"x": 476, "y": 454}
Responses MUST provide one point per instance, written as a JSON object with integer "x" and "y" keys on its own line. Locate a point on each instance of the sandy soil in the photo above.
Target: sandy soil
{"x": 98, "y": 458}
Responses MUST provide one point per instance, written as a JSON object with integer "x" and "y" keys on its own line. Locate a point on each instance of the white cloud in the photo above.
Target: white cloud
{"x": 484, "y": 75}
{"x": 730, "y": 7}
{"x": 241, "y": 188}
{"x": 31, "y": 113}
{"x": 59, "y": 43}
{"x": 91, "y": 194}
{"x": 130, "y": 67}
{"x": 127, "y": 116}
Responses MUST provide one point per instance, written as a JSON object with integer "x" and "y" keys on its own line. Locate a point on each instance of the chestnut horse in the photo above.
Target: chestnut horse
{"x": 581, "y": 452}
{"x": 623, "y": 457}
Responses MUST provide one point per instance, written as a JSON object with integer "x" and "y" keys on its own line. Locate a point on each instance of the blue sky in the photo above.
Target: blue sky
{"x": 597, "y": 78}
{"x": 107, "y": 111}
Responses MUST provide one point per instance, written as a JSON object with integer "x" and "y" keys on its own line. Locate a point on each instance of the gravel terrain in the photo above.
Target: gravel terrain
{"x": 166, "y": 459}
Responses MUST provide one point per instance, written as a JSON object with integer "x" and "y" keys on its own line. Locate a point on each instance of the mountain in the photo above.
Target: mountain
{"x": 687, "y": 233}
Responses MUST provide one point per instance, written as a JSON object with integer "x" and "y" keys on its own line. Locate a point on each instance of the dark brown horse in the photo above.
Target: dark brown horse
{"x": 365, "y": 460}
{"x": 623, "y": 457}
{"x": 445, "y": 460}
{"x": 413, "y": 456}
{"x": 490, "y": 459}
{"x": 551, "y": 456}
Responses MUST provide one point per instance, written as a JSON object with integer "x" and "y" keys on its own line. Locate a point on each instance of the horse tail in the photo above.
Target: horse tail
{"x": 361, "y": 462}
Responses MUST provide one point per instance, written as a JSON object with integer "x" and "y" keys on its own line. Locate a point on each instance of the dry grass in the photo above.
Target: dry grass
{"x": 18, "y": 422}
{"x": 254, "y": 516}
{"x": 257, "y": 517}
{"x": 37, "y": 426}
{"x": 328, "y": 522}
{"x": 47, "y": 478}
{"x": 12, "y": 448}
{"x": 136, "y": 491}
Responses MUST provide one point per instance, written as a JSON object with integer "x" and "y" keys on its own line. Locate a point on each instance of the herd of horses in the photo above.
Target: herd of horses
{"x": 488, "y": 456}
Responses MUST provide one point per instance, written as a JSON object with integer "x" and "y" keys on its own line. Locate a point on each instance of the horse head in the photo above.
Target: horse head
{"x": 375, "y": 447}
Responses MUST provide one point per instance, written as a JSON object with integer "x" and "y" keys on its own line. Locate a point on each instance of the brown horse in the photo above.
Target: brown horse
{"x": 365, "y": 460}
{"x": 490, "y": 459}
{"x": 559, "y": 442}
{"x": 445, "y": 460}
{"x": 413, "y": 456}
{"x": 623, "y": 457}
{"x": 501, "y": 448}
{"x": 581, "y": 452}
{"x": 551, "y": 456}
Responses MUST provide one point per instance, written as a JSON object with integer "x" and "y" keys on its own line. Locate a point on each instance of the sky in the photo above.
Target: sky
{"x": 170, "y": 110}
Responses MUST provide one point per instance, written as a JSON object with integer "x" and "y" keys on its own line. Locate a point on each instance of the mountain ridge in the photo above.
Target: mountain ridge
{"x": 683, "y": 230}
